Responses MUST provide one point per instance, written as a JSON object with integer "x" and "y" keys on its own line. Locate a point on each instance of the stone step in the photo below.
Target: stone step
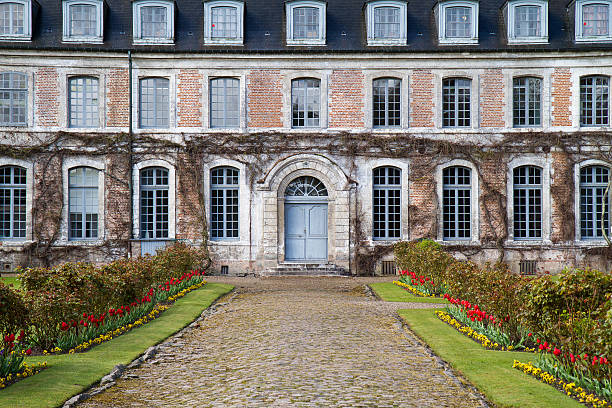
{"x": 299, "y": 269}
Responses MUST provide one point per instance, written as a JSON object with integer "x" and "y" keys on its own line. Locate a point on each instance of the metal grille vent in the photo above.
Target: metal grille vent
{"x": 528, "y": 267}
{"x": 388, "y": 268}
{"x": 224, "y": 270}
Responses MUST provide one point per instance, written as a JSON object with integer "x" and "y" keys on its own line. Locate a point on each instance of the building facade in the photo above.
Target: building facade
{"x": 310, "y": 133}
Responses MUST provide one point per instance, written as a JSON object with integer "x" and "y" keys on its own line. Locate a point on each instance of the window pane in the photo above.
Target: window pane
{"x": 154, "y": 102}
{"x": 225, "y": 103}
{"x": 13, "y": 99}
{"x": 153, "y": 22}
{"x": 386, "y": 102}
{"x": 527, "y": 191}
{"x": 224, "y": 202}
{"x": 387, "y": 22}
{"x": 386, "y": 203}
{"x": 224, "y": 22}
{"x": 12, "y": 202}
{"x": 456, "y": 102}
{"x": 83, "y": 102}
{"x": 154, "y": 207}
{"x": 12, "y": 19}
{"x": 83, "y": 202}
{"x": 527, "y": 102}
{"x": 83, "y": 20}
{"x": 594, "y": 100}
{"x": 595, "y": 20}
{"x": 456, "y": 203}
{"x": 458, "y": 22}
{"x": 594, "y": 204}
{"x": 527, "y": 21}
{"x": 305, "y": 23}
{"x": 305, "y": 100}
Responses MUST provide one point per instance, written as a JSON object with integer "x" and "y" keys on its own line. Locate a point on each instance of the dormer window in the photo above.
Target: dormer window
{"x": 83, "y": 21}
{"x": 527, "y": 21}
{"x": 15, "y": 20}
{"x": 305, "y": 23}
{"x": 386, "y": 21}
{"x": 593, "y": 20}
{"x": 223, "y": 22}
{"x": 153, "y": 22}
{"x": 457, "y": 22}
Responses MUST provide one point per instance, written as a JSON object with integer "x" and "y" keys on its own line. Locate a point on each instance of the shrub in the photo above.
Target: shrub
{"x": 424, "y": 258}
{"x": 13, "y": 311}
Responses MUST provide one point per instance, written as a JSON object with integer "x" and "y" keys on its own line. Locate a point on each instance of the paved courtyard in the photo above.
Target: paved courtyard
{"x": 284, "y": 342}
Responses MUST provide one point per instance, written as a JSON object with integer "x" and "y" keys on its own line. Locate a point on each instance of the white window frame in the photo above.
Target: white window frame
{"x": 579, "y": 240}
{"x": 579, "y": 4}
{"x": 442, "y": 7}
{"x": 137, "y": 31}
{"x": 96, "y": 39}
{"x": 27, "y": 22}
{"x": 371, "y": 7}
{"x": 290, "y": 7}
{"x": 208, "y": 6}
{"x": 512, "y": 38}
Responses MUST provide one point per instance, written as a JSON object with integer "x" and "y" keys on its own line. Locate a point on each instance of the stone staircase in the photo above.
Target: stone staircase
{"x": 307, "y": 269}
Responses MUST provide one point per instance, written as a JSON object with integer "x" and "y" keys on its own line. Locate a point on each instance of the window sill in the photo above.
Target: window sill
{"x": 528, "y": 40}
{"x": 154, "y": 41}
{"x": 458, "y": 41}
{"x": 318, "y": 43}
{"x": 15, "y": 38}
{"x": 84, "y": 40}
{"x": 209, "y": 41}
{"x": 387, "y": 43}
{"x": 594, "y": 39}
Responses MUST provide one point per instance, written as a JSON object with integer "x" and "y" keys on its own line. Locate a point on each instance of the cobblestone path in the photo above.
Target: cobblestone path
{"x": 285, "y": 342}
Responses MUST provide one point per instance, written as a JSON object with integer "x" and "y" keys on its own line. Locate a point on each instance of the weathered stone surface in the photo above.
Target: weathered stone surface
{"x": 293, "y": 342}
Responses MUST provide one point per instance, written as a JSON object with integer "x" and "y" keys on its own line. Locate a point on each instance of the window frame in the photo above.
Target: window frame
{"x": 69, "y": 102}
{"x": 12, "y": 187}
{"x": 208, "y": 38}
{"x": 155, "y": 188}
{"x": 289, "y": 10}
{"x": 210, "y": 103}
{"x": 371, "y": 23}
{"x": 455, "y": 188}
{"x": 442, "y": 8}
{"x": 456, "y": 104}
{"x": 140, "y": 100}
{"x": 225, "y": 187}
{"x": 320, "y": 110}
{"x": 387, "y": 187}
{"x": 387, "y": 103}
{"x": 593, "y": 109}
{"x": 12, "y": 92}
{"x": 527, "y": 101}
{"x": 137, "y": 7}
{"x": 579, "y": 21}
{"x": 95, "y": 39}
{"x": 83, "y": 222}
{"x": 511, "y": 20}
{"x": 27, "y": 22}
{"x": 594, "y": 185}
{"x": 529, "y": 187}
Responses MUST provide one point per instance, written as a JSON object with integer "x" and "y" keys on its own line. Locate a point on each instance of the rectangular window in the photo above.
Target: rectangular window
{"x": 154, "y": 210}
{"x": 305, "y": 102}
{"x": 83, "y": 102}
{"x": 224, "y": 103}
{"x": 456, "y": 200}
{"x": 12, "y": 202}
{"x": 387, "y": 186}
{"x": 594, "y": 204}
{"x": 595, "y": 20}
{"x": 154, "y": 22}
{"x": 83, "y": 203}
{"x": 83, "y": 21}
{"x": 305, "y": 23}
{"x": 458, "y": 22}
{"x": 527, "y": 21}
{"x": 456, "y": 102}
{"x": 386, "y": 102}
{"x": 527, "y": 190}
{"x": 224, "y": 22}
{"x": 387, "y": 22}
{"x": 527, "y": 102}
{"x": 224, "y": 210}
{"x": 13, "y": 99}
{"x": 12, "y": 19}
{"x": 594, "y": 101}
{"x": 154, "y": 103}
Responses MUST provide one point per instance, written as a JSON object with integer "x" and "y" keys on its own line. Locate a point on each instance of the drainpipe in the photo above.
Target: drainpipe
{"x": 130, "y": 153}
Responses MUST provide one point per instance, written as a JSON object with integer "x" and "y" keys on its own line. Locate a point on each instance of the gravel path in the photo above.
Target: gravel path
{"x": 285, "y": 342}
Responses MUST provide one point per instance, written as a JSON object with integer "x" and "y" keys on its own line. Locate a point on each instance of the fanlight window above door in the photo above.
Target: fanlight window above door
{"x": 306, "y": 186}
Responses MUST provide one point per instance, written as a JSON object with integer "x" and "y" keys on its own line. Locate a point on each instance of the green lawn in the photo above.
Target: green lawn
{"x": 390, "y": 292}
{"x": 68, "y": 375}
{"x": 490, "y": 371}
{"x": 13, "y": 281}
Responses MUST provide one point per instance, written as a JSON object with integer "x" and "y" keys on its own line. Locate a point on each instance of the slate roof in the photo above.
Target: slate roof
{"x": 264, "y": 29}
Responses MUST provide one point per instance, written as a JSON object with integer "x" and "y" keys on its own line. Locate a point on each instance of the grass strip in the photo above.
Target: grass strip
{"x": 70, "y": 374}
{"x": 390, "y": 292}
{"x": 489, "y": 370}
{"x": 11, "y": 280}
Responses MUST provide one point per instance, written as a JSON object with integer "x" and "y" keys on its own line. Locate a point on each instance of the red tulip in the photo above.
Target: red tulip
{"x": 572, "y": 358}
{"x": 65, "y": 326}
{"x": 541, "y": 347}
{"x": 530, "y": 334}
{"x": 84, "y": 315}
{"x": 602, "y": 360}
{"x": 556, "y": 352}
{"x": 28, "y": 351}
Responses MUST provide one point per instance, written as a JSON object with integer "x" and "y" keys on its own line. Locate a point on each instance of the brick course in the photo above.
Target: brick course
{"x": 265, "y": 99}
{"x": 561, "y": 95}
{"x": 47, "y": 96}
{"x": 562, "y": 195}
{"x": 189, "y": 100}
{"x": 422, "y": 99}
{"x": 492, "y": 105}
{"x": 346, "y": 102}
{"x": 493, "y": 200}
{"x": 118, "y": 100}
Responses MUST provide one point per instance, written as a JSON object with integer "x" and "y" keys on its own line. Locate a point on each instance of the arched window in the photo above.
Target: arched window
{"x": 154, "y": 103}
{"x": 527, "y": 196}
{"x": 593, "y": 20}
{"x": 16, "y": 20}
{"x": 386, "y": 21}
{"x": 305, "y": 22}
{"x": 457, "y": 22}
{"x": 13, "y": 99}
{"x": 386, "y": 103}
{"x": 12, "y": 202}
{"x": 527, "y": 102}
{"x": 306, "y": 186}
{"x": 305, "y": 102}
{"x": 83, "y": 102}
{"x": 594, "y": 100}
{"x": 154, "y": 198}
{"x": 224, "y": 103}
{"x": 83, "y": 203}
{"x": 224, "y": 210}
{"x": 153, "y": 22}
{"x": 593, "y": 202}
{"x": 457, "y": 203}
{"x": 83, "y": 20}
{"x": 223, "y": 22}
{"x": 456, "y": 106}
{"x": 387, "y": 185}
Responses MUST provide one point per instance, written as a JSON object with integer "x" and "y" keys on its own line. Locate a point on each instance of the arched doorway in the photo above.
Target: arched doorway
{"x": 306, "y": 201}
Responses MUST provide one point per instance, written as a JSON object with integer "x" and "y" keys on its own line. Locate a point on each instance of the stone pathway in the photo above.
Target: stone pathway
{"x": 285, "y": 342}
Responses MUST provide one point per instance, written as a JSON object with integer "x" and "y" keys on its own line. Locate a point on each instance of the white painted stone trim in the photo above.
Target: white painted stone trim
{"x": 214, "y": 74}
{"x": 370, "y": 77}
{"x": 29, "y": 167}
{"x": 287, "y": 77}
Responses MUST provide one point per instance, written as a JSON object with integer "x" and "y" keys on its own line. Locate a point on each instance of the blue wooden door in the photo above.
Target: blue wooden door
{"x": 306, "y": 232}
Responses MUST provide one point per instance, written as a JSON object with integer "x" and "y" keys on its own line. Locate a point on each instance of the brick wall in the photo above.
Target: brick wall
{"x": 346, "y": 102}
{"x": 117, "y": 197}
{"x": 47, "y": 96}
{"x": 423, "y": 215}
{"x": 189, "y": 100}
{"x": 561, "y": 96}
{"x": 189, "y": 211}
{"x": 493, "y": 203}
{"x": 492, "y": 105}
{"x": 265, "y": 99}
{"x": 48, "y": 197}
{"x": 117, "y": 105}
{"x": 422, "y": 99}
{"x": 562, "y": 197}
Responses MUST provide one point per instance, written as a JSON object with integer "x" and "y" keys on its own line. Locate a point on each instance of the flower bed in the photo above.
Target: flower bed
{"x": 413, "y": 290}
{"x": 12, "y": 365}
{"x": 25, "y": 372}
{"x": 421, "y": 285}
{"x": 569, "y": 388}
